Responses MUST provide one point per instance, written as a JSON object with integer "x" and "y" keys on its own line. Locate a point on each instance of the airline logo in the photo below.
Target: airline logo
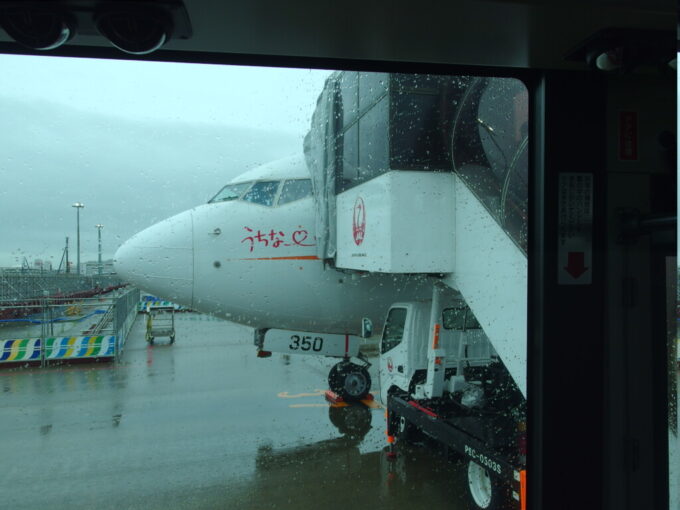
{"x": 359, "y": 221}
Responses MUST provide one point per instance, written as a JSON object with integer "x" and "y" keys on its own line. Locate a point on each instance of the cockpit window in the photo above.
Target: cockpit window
{"x": 230, "y": 192}
{"x": 295, "y": 190}
{"x": 262, "y": 192}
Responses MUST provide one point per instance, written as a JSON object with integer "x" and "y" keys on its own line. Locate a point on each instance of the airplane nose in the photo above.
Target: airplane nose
{"x": 160, "y": 259}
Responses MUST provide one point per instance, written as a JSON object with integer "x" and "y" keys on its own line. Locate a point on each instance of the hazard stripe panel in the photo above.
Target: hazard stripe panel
{"x": 77, "y": 347}
{"x": 21, "y": 349}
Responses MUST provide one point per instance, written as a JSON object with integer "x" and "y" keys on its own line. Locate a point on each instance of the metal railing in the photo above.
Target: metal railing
{"x": 124, "y": 313}
{"x": 26, "y": 285}
{"x": 60, "y": 328}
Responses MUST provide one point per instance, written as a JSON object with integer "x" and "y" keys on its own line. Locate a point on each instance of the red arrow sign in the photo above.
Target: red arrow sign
{"x": 576, "y": 264}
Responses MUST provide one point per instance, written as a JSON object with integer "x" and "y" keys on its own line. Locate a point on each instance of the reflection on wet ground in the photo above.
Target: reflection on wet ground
{"x": 203, "y": 423}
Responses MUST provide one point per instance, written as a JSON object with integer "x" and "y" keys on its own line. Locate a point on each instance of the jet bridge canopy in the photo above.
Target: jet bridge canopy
{"x": 428, "y": 174}
{"x": 366, "y": 125}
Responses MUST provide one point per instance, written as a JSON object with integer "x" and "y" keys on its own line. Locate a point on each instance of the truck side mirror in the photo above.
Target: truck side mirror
{"x": 366, "y": 328}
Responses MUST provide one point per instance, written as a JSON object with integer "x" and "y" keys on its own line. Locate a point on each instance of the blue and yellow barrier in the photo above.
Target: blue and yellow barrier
{"x": 77, "y": 347}
{"x": 21, "y": 349}
{"x": 74, "y": 347}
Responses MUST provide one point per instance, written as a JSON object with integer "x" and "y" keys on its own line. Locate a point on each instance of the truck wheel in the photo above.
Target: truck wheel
{"x": 356, "y": 382}
{"x": 486, "y": 492}
{"x": 349, "y": 381}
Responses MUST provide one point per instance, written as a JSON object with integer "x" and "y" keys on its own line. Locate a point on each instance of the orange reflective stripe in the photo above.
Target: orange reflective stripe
{"x": 523, "y": 489}
{"x": 435, "y": 341}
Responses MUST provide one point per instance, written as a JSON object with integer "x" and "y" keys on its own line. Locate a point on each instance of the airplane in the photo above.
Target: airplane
{"x": 249, "y": 256}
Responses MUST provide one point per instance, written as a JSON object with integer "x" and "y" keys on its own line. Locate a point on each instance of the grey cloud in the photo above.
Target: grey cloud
{"x": 128, "y": 173}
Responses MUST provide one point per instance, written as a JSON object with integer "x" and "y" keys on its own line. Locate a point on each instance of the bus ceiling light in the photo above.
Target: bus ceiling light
{"x": 37, "y": 27}
{"x": 137, "y": 27}
{"x": 626, "y": 50}
{"x": 608, "y": 60}
{"x": 133, "y": 31}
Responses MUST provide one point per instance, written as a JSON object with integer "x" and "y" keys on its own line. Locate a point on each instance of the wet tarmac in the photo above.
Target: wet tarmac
{"x": 202, "y": 424}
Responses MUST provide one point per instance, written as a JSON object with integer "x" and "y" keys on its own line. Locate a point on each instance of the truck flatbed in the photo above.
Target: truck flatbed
{"x": 479, "y": 438}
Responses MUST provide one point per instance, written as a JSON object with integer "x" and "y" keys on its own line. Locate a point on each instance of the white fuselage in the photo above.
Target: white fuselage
{"x": 257, "y": 265}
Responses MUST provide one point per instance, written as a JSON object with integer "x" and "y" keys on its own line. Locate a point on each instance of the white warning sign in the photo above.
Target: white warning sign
{"x": 575, "y": 229}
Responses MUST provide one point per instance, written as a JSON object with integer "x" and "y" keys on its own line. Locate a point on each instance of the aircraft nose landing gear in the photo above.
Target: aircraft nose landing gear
{"x": 349, "y": 380}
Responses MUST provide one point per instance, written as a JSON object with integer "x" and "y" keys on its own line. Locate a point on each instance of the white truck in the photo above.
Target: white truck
{"x": 442, "y": 381}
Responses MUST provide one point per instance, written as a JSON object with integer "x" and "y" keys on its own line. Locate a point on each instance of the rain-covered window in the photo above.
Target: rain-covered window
{"x": 454, "y": 318}
{"x": 230, "y": 192}
{"x": 490, "y": 150}
{"x": 374, "y": 153}
{"x": 422, "y": 115}
{"x": 364, "y": 103}
{"x": 471, "y": 321}
{"x": 295, "y": 189}
{"x": 210, "y": 281}
{"x": 460, "y": 318}
{"x": 394, "y": 329}
{"x": 262, "y": 192}
{"x": 350, "y": 154}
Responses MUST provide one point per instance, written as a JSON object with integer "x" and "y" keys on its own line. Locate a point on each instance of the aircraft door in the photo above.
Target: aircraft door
{"x": 394, "y": 353}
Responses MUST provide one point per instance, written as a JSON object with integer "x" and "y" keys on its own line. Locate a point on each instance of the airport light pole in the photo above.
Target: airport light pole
{"x": 68, "y": 269}
{"x": 99, "y": 228}
{"x": 78, "y": 206}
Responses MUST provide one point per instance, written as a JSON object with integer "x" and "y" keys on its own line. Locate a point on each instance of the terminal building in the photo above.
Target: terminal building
{"x": 92, "y": 267}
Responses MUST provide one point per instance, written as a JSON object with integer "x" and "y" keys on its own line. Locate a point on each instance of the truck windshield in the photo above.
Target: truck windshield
{"x": 394, "y": 329}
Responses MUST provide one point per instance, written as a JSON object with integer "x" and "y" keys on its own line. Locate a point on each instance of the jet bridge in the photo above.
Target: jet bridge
{"x": 428, "y": 174}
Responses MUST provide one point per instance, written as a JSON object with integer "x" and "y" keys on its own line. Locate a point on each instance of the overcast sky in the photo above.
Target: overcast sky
{"x": 134, "y": 141}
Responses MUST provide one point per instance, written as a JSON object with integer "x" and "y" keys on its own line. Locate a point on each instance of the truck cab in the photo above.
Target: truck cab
{"x": 408, "y": 335}
{"x": 442, "y": 379}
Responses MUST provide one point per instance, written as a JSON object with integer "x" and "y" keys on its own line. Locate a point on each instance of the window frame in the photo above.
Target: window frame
{"x": 283, "y": 184}
{"x": 245, "y": 190}
{"x": 401, "y": 339}
{"x": 546, "y": 302}
{"x": 275, "y": 198}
